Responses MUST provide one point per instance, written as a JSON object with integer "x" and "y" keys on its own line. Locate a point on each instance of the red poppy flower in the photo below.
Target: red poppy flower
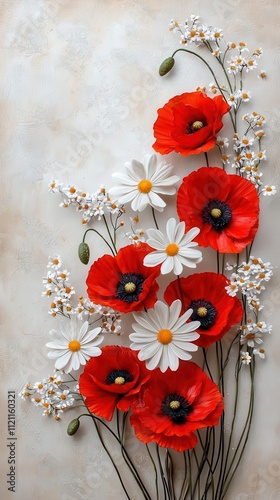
{"x": 174, "y": 405}
{"x": 123, "y": 282}
{"x": 188, "y": 123}
{"x": 205, "y": 293}
{"x": 112, "y": 380}
{"x": 225, "y": 208}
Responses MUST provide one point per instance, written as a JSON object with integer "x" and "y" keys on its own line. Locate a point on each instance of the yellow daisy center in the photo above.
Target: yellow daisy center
{"x": 216, "y": 213}
{"x": 145, "y": 186}
{"x": 172, "y": 249}
{"x": 197, "y": 125}
{"x": 174, "y": 405}
{"x": 130, "y": 287}
{"x": 74, "y": 346}
{"x": 202, "y": 312}
{"x": 164, "y": 336}
{"x": 119, "y": 380}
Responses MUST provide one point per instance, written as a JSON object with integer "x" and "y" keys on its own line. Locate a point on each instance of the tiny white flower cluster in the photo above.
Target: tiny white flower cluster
{"x": 111, "y": 321}
{"x": 57, "y": 286}
{"x": 91, "y": 205}
{"x": 54, "y": 394}
{"x": 238, "y": 63}
{"x": 135, "y": 235}
{"x": 61, "y": 292}
{"x": 249, "y": 278}
{"x": 249, "y": 154}
{"x": 193, "y": 31}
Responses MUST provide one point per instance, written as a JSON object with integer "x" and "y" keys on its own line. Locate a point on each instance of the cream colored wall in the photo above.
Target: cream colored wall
{"x": 79, "y": 94}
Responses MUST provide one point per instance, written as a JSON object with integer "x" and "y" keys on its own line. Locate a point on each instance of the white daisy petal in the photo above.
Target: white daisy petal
{"x": 171, "y": 335}
{"x": 173, "y": 360}
{"x": 148, "y": 351}
{"x": 55, "y": 353}
{"x": 153, "y": 259}
{"x": 180, "y": 353}
{"x": 83, "y": 331}
{"x": 171, "y": 229}
{"x": 153, "y": 362}
{"x": 140, "y": 202}
{"x": 151, "y": 166}
{"x": 174, "y": 250}
{"x": 167, "y": 265}
{"x": 164, "y": 360}
{"x": 156, "y": 180}
{"x": 155, "y": 200}
{"x": 124, "y": 179}
{"x": 62, "y": 361}
{"x": 72, "y": 345}
{"x": 91, "y": 335}
{"x": 130, "y": 195}
{"x": 177, "y": 266}
{"x": 179, "y": 233}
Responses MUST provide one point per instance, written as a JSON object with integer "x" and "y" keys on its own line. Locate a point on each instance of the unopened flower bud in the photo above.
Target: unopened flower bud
{"x": 83, "y": 252}
{"x": 73, "y": 427}
{"x": 166, "y": 66}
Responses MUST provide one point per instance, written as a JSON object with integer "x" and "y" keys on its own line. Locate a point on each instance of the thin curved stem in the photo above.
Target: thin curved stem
{"x": 109, "y": 233}
{"x": 154, "y": 217}
{"x": 110, "y": 457}
{"x": 155, "y": 469}
{"x": 99, "y": 234}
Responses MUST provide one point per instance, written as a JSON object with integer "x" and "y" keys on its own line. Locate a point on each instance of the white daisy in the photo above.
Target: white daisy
{"x": 269, "y": 190}
{"x": 162, "y": 336}
{"x": 174, "y": 250}
{"x": 143, "y": 182}
{"x": 73, "y": 346}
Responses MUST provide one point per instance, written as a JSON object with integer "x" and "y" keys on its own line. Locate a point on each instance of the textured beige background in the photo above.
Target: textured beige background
{"x": 79, "y": 93}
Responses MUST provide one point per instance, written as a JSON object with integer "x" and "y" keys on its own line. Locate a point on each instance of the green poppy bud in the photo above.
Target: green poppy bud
{"x": 84, "y": 253}
{"x": 73, "y": 427}
{"x": 166, "y": 66}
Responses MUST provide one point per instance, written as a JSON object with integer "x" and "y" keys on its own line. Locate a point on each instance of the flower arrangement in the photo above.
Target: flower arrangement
{"x": 145, "y": 382}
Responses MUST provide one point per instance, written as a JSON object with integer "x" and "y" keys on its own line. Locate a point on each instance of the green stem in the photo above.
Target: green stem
{"x": 110, "y": 457}
{"x": 206, "y": 158}
{"x": 109, "y": 233}
{"x": 154, "y": 217}
{"x": 164, "y": 483}
{"x": 246, "y": 430}
{"x": 181, "y": 293}
{"x": 155, "y": 469}
{"x": 186, "y": 484}
{"x": 133, "y": 470}
{"x": 169, "y": 472}
{"x": 99, "y": 234}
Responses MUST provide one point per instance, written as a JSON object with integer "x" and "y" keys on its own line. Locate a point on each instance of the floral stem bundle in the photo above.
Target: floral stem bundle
{"x": 166, "y": 378}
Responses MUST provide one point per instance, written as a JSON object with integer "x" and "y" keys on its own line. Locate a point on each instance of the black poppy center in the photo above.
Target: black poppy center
{"x": 129, "y": 287}
{"x": 194, "y": 126}
{"x": 119, "y": 377}
{"x": 217, "y": 213}
{"x": 204, "y": 312}
{"x": 176, "y": 407}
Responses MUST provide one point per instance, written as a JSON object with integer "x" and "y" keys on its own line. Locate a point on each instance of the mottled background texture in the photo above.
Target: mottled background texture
{"x": 79, "y": 93}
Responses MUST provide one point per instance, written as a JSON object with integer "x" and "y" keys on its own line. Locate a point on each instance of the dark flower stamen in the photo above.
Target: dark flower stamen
{"x": 217, "y": 213}
{"x": 130, "y": 287}
{"x": 194, "y": 126}
{"x": 177, "y": 407}
{"x": 119, "y": 377}
{"x": 204, "y": 312}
